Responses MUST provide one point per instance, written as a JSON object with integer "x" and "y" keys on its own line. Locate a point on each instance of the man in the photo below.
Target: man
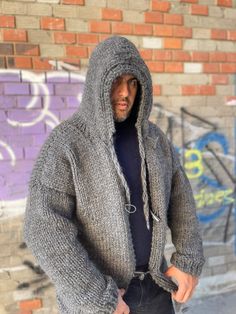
{"x": 104, "y": 189}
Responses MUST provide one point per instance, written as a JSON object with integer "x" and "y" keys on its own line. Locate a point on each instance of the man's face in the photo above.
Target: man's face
{"x": 123, "y": 92}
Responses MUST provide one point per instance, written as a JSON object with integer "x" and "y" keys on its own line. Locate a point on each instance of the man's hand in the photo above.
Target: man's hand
{"x": 122, "y": 307}
{"x": 186, "y": 284}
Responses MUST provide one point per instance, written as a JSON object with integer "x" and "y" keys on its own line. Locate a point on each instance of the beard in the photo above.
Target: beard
{"x": 120, "y": 116}
{"x": 120, "y": 119}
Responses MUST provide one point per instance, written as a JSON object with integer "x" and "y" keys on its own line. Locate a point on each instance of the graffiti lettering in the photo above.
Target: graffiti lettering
{"x": 222, "y": 197}
{"x": 195, "y": 165}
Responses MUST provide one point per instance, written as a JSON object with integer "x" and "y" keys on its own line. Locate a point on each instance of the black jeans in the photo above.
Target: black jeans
{"x": 144, "y": 296}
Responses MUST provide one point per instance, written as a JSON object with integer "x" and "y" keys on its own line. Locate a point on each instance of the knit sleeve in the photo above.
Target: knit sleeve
{"x": 51, "y": 231}
{"x": 183, "y": 223}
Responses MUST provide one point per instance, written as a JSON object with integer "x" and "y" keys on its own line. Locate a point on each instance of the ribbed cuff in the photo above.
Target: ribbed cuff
{"x": 193, "y": 267}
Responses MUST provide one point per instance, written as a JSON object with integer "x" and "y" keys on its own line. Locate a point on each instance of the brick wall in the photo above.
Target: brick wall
{"x": 189, "y": 47}
{"x": 192, "y": 38}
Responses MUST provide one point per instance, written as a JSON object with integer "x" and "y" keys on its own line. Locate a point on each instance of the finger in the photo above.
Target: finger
{"x": 190, "y": 291}
{"x": 179, "y": 294}
{"x": 189, "y": 296}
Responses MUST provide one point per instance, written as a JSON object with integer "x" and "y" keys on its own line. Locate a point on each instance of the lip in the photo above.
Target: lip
{"x": 122, "y": 105}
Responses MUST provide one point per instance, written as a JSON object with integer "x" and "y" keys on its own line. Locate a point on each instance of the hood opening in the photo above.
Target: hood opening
{"x": 111, "y": 58}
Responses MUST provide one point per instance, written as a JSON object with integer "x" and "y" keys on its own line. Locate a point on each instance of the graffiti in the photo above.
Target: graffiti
{"x": 219, "y": 197}
{"x": 210, "y": 164}
{"x": 31, "y": 105}
{"x": 195, "y": 165}
{"x": 38, "y": 285}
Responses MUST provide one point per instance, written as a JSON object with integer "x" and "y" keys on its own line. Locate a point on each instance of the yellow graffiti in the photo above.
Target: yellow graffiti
{"x": 204, "y": 198}
{"x": 194, "y": 167}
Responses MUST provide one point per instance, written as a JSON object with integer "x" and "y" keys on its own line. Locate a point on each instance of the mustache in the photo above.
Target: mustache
{"x": 122, "y": 99}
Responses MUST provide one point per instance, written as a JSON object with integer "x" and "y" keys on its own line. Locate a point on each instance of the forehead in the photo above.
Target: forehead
{"x": 126, "y": 77}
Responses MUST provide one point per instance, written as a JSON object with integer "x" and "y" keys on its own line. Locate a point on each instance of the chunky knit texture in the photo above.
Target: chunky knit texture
{"x": 77, "y": 220}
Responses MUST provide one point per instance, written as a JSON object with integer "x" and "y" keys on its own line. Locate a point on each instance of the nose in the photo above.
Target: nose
{"x": 124, "y": 89}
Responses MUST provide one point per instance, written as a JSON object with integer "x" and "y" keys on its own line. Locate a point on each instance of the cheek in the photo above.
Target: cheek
{"x": 133, "y": 95}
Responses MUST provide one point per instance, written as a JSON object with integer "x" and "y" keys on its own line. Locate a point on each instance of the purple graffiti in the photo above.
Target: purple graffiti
{"x": 31, "y": 105}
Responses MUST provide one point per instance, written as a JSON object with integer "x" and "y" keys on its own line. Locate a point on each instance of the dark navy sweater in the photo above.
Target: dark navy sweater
{"x": 127, "y": 150}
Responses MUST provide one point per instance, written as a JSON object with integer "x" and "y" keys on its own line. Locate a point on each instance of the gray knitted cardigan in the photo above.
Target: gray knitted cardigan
{"x": 77, "y": 220}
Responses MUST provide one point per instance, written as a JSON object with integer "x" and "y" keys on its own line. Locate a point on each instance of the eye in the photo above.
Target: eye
{"x": 116, "y": 81}
{"x": 133, "y": 82}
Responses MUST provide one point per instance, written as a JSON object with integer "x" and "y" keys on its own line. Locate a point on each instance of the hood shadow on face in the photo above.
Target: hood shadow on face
{"x": 110, "y": 59}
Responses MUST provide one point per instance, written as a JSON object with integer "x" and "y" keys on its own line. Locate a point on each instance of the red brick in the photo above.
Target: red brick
{"x": 87, "y": 38}
{"x": 218, "y": 34}
{"x": 173, "y": 67}
{"x": 64, "y": 38}
{"x": 155, "y": 66}
{"x": 188, "y": 90}
{"x": 146, "y": 54}
{"x": 211, "y": 67}
{"x": 231, "y": 35}
{"x": 231, "y": 56}
{"x": 122, "y": 28}
{"x": 81, "y": 52}
{"x": 80, "y": 2}
{"x": 100, "y": 27}
{"x": 207, "y": 90}
{"x": 142, "y": 29}
{"x": 217, "y": 56}
{"x": 19, "y": 62}
{"x": 220, "y": 79}
{"x": 200, "y": 56}
{"x": 228, "y": 68}
{"x": 162, "y": 55}
{"x": 199, "y": 9}
{"x": 111, "y": 14}
{"x": 30, "y": 304}
{"x": 172, "y": 43}
{"x": 103, "y": 37}
{"x": 41, "y": 64}
{"x": 52, "y": 23}
{"x": 14, "y": 35}
{"x": 175, "y": 19}
{"x": 6, "y": 49}
{"x": 180, "y": 31}
{"x": 163, "y": 6}
{"x": 224, "y": 3}
{"x": 156, "y": 90}
{"x": 163, "y": 30}
{"x": 27, "y": 49}
{"x": 181, "y": 56}
{"x": 153, "y": 17}
{"x": 7, "y": 21}
{"x": 189, "y": 1}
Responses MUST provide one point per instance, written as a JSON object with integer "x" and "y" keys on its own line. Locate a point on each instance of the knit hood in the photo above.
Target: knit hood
{"x": 111, "y": 58}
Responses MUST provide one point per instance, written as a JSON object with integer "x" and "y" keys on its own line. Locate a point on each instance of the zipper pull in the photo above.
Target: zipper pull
{"x": 156, "y": 218}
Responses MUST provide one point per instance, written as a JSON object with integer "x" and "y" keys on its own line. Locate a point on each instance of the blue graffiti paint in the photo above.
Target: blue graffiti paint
{"x": 200, "y": 145}
{"x": 213, "y": 216}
